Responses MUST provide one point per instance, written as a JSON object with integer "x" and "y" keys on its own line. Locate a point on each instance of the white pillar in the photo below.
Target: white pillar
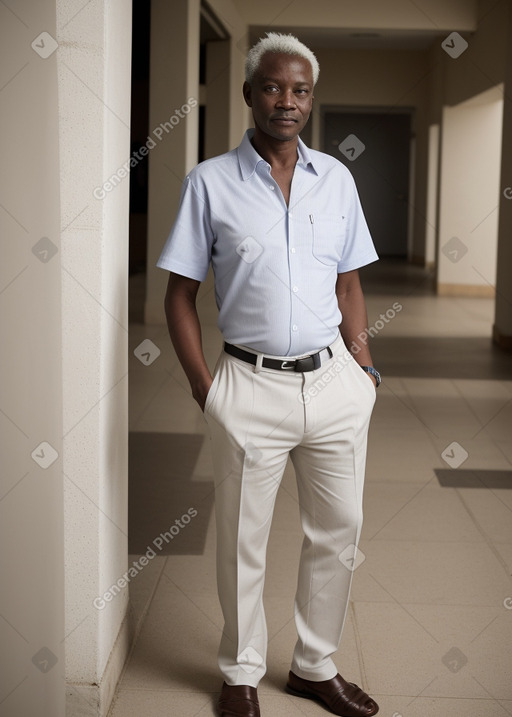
{"x": 94, "y": 60}
{"x": 173, "y": 126}
{"x": 31, "y": 488}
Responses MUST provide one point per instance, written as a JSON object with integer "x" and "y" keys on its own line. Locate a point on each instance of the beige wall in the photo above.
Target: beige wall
{"x": 31, "y": 491}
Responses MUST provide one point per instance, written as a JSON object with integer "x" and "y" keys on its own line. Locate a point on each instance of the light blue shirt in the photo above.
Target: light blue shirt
{"x": 275, "y": 266}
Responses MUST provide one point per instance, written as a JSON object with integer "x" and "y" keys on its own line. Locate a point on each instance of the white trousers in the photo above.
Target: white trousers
{"x": 257, "y": 417}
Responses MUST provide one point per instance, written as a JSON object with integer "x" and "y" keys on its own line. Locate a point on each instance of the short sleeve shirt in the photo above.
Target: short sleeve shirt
{"x": 275, "y": 266}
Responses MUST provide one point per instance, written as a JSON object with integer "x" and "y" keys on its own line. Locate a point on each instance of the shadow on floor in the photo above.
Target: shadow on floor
{"x": 167, "y": 511}
{"x": 466, "y": 478}
{"x": 443, "y": 357}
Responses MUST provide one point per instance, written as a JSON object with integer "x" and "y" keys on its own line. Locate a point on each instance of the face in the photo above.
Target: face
{"x": 281, "y": 95}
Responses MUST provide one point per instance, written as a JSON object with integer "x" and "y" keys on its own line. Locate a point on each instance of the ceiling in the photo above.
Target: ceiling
{"x": 363, "y": 39}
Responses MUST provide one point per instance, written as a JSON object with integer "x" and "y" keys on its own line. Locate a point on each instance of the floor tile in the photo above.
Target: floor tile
{"x": 454, "y": 659}
{"x": 408, "y": 512}
{"x": 435, "y": 572}
{"x": 491, "y": 510}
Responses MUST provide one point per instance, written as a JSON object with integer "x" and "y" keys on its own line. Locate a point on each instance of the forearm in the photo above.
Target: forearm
{"x": 354, "y": 325}
{"x": 185, "y": 332}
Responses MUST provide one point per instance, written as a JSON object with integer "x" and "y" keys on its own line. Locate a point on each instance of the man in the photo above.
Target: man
{"x": 284, "y": 230}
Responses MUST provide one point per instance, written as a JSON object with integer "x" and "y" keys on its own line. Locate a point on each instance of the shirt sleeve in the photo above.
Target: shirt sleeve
{"x": 358, "y": 249}
{"x": 188, "y": 248}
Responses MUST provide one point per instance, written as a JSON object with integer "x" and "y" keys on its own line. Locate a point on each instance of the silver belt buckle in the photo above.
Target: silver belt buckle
{"x": 287, "y": 368}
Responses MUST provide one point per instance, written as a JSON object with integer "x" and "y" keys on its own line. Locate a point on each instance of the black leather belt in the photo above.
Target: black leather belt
{"x": 300, "y": 365}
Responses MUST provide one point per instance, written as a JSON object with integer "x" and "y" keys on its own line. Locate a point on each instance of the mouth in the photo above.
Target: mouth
{"x": 284, "y": 120}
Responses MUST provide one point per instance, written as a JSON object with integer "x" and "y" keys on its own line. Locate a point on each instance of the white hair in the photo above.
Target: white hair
{"x": 278, "y": 43}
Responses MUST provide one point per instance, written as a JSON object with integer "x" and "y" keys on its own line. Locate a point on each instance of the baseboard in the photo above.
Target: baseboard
{"x": 475, "y": 290}
{"x": 93, "y": 700}
{"x": 504, "y": 341}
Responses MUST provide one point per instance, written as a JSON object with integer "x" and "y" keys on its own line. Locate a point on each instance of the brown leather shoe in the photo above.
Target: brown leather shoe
{"x": 342, "y": 698}
{"x": 238, "y": 701}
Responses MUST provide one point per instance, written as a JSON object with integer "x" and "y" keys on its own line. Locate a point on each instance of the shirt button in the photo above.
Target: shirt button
{"x": 271, "y": 186}
{"x": 290, "y": 215}
{"x": 295, "y": 289}
{"x": 292, "y": 250}
{"x": 294, "y": 327}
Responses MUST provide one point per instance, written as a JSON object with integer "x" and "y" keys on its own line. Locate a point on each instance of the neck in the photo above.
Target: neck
{"x": 278, "y": 153}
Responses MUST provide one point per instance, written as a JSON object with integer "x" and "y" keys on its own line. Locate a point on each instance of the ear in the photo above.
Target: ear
{"x": 247, "y": 93}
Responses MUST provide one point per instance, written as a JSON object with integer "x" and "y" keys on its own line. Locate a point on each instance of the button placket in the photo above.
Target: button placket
{"x": 294, "y": 288}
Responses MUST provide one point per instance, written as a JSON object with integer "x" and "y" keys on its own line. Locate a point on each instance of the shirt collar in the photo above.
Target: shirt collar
{"x": 248, "y": 158}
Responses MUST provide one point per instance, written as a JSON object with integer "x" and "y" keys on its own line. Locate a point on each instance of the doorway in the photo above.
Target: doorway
{"x": 375, "y": 146}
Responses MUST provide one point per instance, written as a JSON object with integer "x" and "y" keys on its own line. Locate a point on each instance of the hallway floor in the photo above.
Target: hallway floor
{"x": 429, "y": 626}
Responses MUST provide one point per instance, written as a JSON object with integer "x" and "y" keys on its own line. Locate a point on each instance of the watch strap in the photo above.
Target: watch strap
{"x": 374, "y": 373}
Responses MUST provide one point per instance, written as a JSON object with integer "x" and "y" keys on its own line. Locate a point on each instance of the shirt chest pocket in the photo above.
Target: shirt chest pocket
{"x": 327, "y": 237}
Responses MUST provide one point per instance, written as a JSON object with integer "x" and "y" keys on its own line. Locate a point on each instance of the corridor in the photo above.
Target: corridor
{"x": 429, "y": 626}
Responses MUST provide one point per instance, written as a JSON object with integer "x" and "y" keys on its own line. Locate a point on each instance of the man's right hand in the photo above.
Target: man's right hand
{"x": 200, "y": 394}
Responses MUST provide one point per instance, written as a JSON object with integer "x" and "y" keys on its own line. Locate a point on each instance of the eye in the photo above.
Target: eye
{"x": 302, "y": 92}
{"x": 271, "y": 89}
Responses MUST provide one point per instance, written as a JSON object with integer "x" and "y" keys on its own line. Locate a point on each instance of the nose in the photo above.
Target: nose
{"x": 286, "y": 100}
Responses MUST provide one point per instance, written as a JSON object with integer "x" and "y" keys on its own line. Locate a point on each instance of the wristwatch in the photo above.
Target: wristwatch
{"x": 374, "y": 373}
